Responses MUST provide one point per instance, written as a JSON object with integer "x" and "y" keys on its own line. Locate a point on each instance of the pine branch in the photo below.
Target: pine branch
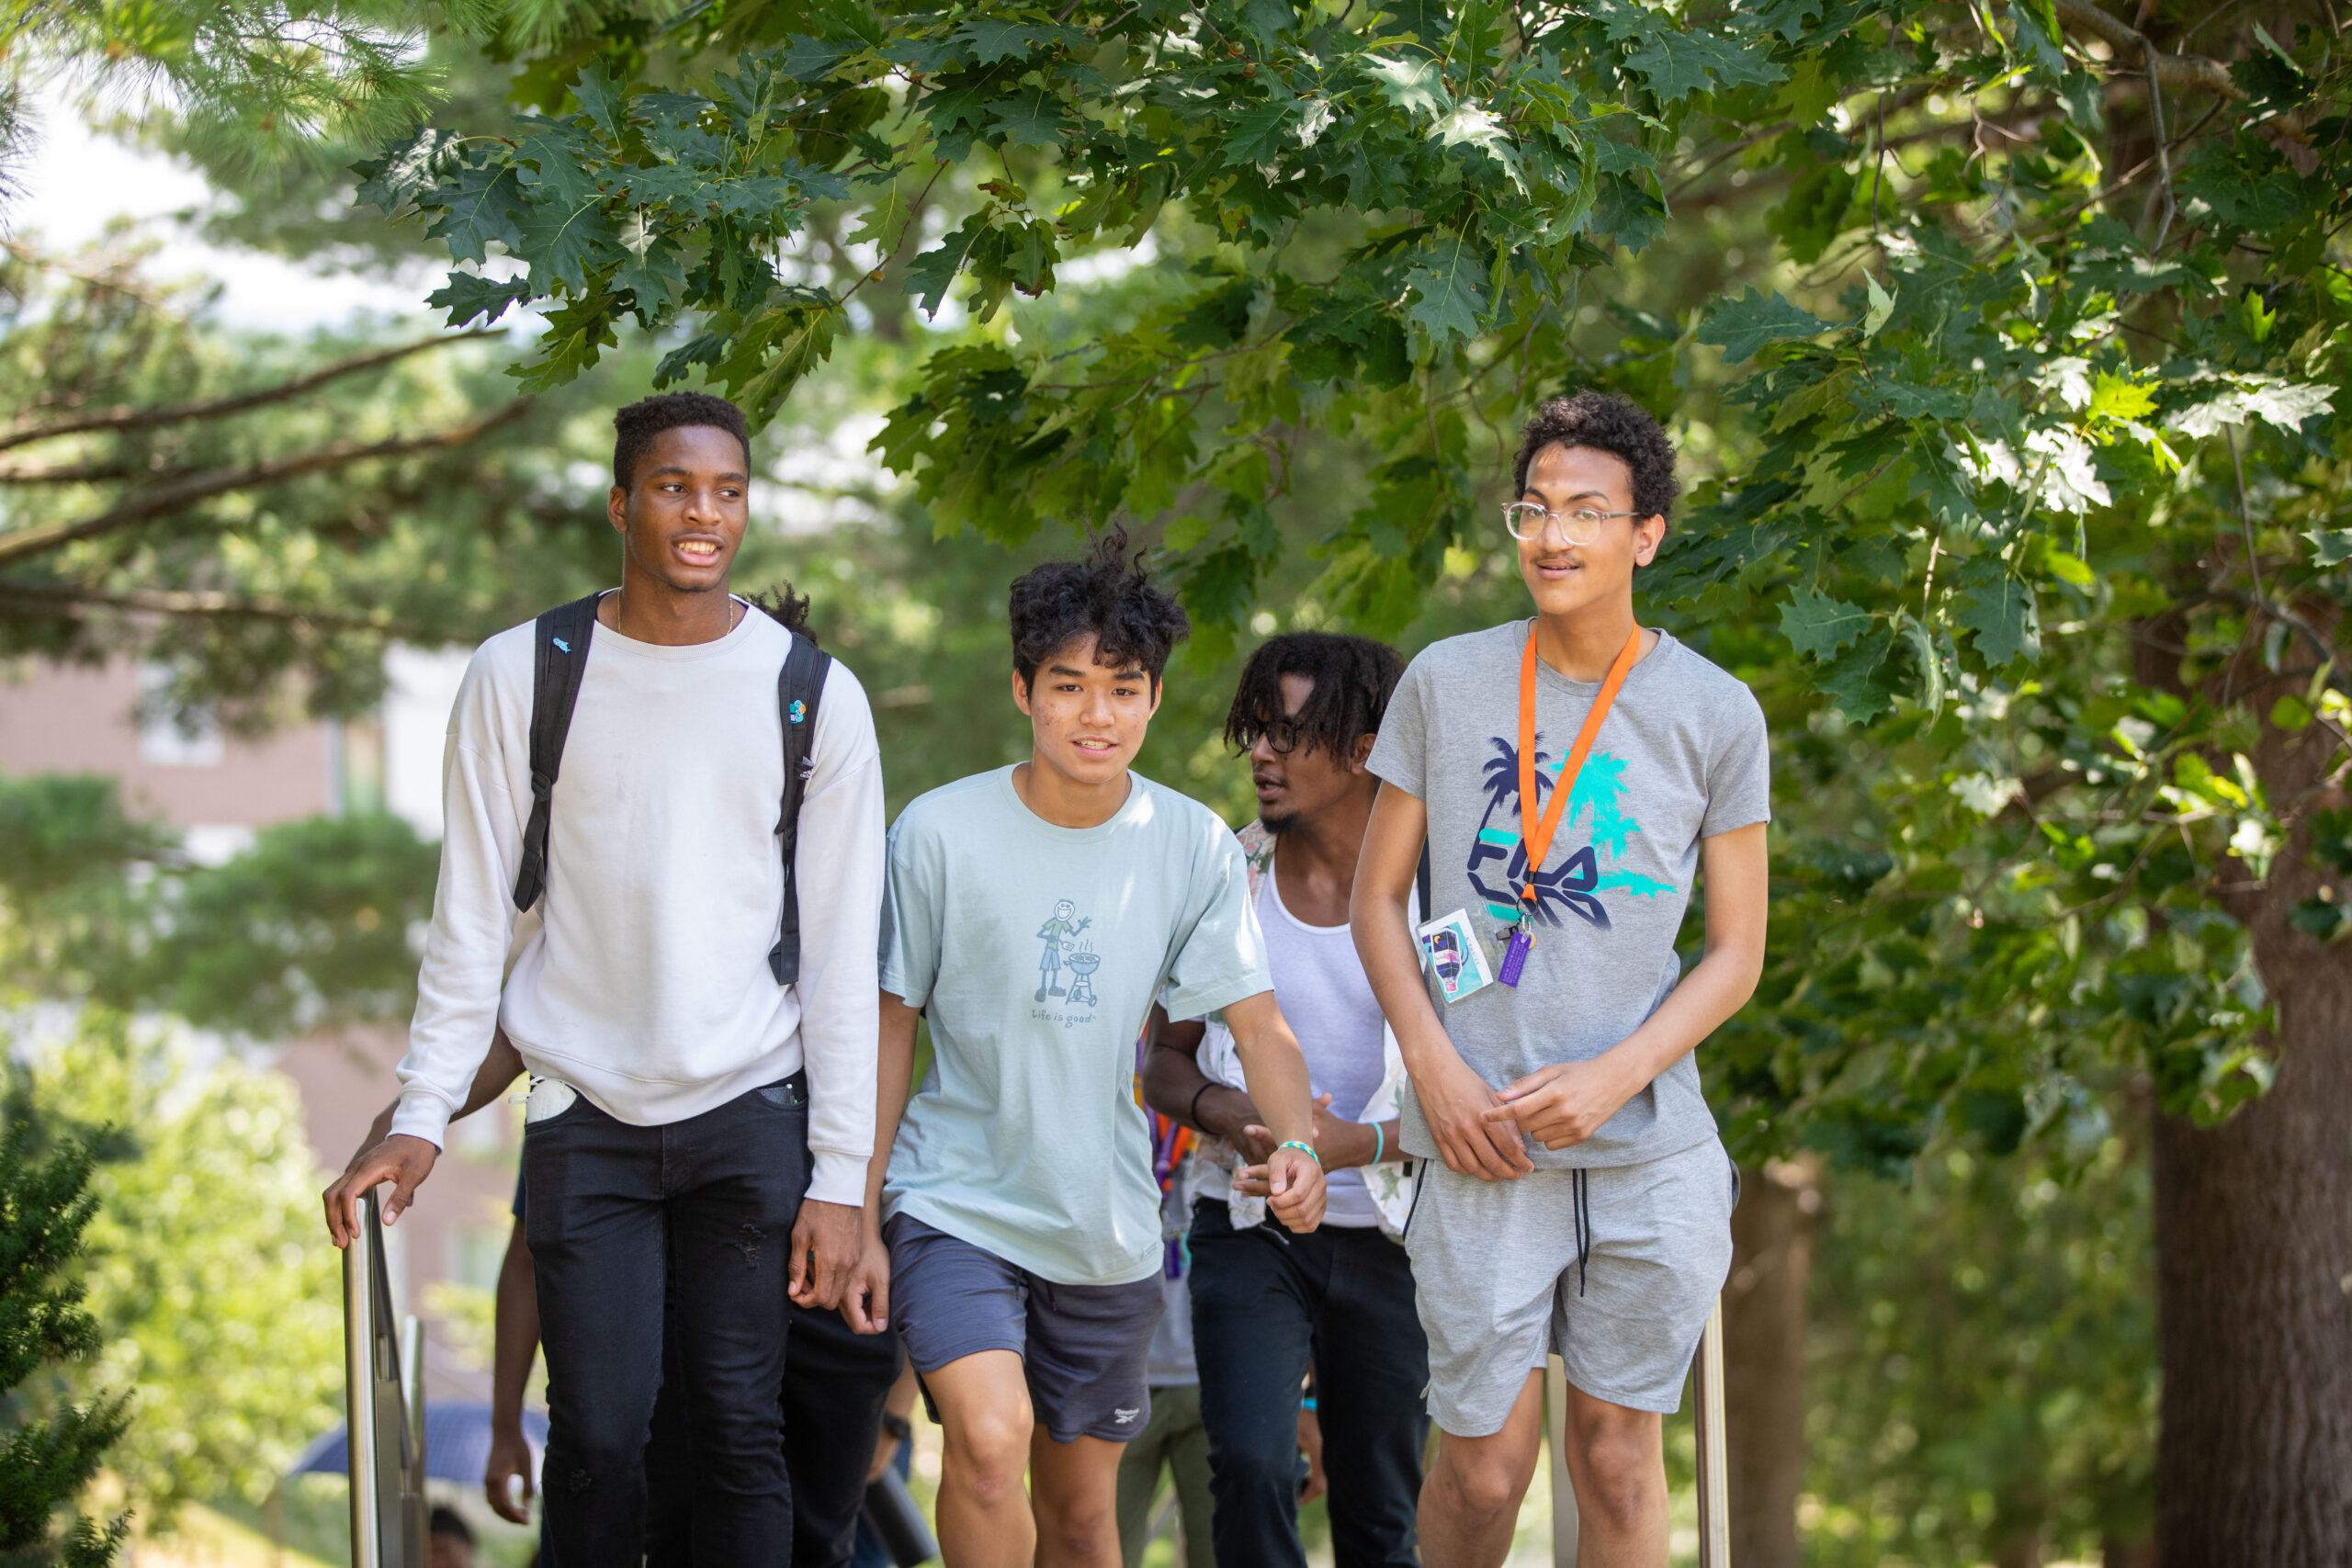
{"x": 122, "y": 419}
{"x": 168, "y": 499}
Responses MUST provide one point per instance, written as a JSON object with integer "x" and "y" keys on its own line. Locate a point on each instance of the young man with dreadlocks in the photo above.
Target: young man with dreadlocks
{"x": 691, "y": 1085}
{"x": 1269, "y": 1309}
{"x": 1570, "y": 774}
{"x": 1016, "y": 1239}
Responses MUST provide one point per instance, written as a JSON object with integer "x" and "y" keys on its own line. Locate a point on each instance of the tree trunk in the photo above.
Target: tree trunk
{"x": 2254, "y": 1254}
{"x": 1764, "y": 1324}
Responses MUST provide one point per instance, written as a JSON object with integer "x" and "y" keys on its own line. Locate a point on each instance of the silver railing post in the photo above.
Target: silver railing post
{"x": 415, "y": 1506}
{"x": 359, "y": 1269}
{"x": 1555, "y": 1440}
{"x": 1714, "y": 1469}
{"x": 1714, "y": 1463}
{"x": 384, "y": 1408}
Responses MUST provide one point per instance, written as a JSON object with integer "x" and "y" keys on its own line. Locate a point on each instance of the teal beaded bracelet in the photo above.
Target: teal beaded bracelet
{"x": 1306, "y": 1149}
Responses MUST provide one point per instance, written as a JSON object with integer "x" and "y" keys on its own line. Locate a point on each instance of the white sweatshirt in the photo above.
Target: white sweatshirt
{"x": 647, "y": 986}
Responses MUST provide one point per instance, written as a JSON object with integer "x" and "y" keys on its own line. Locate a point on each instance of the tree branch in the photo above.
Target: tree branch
{"x": 122, "y": 418}
{"x": 68, "y": 600}
{"x": 89, "y": 473}
{"x": 167, "y": 499}
{"x": 2177, "y": 70}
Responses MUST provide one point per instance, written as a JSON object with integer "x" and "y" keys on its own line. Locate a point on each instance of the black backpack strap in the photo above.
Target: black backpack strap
{"x": 798, "y": 688}
{"x": 1422, "y": 882}
{"x": 560, "y": 639}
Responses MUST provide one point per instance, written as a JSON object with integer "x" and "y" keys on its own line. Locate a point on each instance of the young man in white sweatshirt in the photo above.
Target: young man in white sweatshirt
{"x": 685, "y": 1103}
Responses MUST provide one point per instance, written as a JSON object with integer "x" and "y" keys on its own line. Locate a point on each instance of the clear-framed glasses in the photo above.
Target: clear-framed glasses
{"x": 1579, "y": 526}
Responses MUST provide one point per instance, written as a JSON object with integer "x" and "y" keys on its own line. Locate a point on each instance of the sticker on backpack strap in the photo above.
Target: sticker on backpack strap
{"x": 1454, "y": 954}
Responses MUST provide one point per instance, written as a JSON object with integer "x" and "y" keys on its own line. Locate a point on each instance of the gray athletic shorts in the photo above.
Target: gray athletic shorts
{"x": 1082, "y": 1347}
{"x": 1500, "y": 1281}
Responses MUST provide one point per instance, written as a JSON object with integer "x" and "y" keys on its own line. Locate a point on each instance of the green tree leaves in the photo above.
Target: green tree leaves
{"x": 1818, "y": 626}
{"x": 1450, "y": 284}
{"x": 1744, "y": 325}
{"x": 2000, "y": 613}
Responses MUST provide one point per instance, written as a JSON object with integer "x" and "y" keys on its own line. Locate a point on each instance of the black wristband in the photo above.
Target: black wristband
{"x": 1193, "y": 1111}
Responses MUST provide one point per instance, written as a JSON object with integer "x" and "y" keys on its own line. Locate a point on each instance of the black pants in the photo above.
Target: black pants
{"x": 835, "y": 1383}
{"x": 614, "y": 1211}
{"x": 1266, "y": 1304}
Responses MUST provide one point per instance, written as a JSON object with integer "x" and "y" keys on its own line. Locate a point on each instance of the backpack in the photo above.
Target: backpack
{"x": 561, "y": 637}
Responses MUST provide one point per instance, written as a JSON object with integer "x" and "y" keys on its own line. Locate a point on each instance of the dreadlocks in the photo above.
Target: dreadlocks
{"x": 1353, "y": 677}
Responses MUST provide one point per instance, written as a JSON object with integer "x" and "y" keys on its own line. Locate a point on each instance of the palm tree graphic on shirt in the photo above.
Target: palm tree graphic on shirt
{"x": 1573, "y": 881}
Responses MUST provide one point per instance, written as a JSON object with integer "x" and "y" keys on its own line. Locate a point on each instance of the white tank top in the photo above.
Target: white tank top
{"x": 1320, "y": 984}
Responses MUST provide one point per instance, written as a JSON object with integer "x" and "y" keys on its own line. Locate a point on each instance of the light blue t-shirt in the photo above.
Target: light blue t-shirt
{"x": 1036, "y": 952}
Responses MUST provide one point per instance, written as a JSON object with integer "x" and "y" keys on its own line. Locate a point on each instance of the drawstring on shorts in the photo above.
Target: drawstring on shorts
{"x": 1581, "y": 1197}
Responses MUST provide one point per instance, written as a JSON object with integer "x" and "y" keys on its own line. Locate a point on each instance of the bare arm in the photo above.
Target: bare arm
{"x": 493, "y": 1078}
{"x": 515, "y": 1345}
{"x": 405, "y": 1160}
{"x": 1277, "y": 1077}
{"x": 1174, "y": 1086}
{"x": 866, "y": 1300}
{"x": 1453, "y": 1100}
{"x": 1564, "y": 1104}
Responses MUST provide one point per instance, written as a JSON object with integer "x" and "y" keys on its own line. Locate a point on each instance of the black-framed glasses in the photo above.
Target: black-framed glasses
{"x": 1282, "y": 735}
{"x": 1579, "y": 526}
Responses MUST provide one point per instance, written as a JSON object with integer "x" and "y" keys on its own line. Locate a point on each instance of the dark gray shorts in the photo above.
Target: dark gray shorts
{"x": 1082, "y": 1347}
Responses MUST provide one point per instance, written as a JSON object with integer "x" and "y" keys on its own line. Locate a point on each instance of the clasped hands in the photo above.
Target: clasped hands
{"x": 1482, "y": 1131}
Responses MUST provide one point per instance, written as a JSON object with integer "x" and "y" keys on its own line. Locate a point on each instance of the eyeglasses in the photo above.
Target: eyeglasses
{"x": 1280, "y": 734}
{"x": 1580, "y": 526}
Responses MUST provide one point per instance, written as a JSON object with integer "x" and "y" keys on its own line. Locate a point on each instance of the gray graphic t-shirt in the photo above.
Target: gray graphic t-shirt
{"x": 1681, "y": 757}
{"x": 1036, "y": 952}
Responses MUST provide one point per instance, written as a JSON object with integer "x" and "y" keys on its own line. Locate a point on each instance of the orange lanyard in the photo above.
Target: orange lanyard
{"x": 1535, "y": 837}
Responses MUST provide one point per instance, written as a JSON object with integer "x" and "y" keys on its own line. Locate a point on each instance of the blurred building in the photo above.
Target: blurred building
{"x": 218, "y": 791}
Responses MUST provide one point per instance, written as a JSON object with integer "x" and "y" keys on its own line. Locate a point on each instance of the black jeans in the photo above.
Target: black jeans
{"x": 613, "y": 1210}
{"x": 835, "y": 1383}
{"x": 1266, "y": 1304}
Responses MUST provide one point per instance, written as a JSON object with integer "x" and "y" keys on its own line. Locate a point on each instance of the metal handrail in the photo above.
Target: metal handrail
{"x": 1714, "y": 1462}
{"x": 384, "y": 1407}
{"x": 1714, "y": 1468}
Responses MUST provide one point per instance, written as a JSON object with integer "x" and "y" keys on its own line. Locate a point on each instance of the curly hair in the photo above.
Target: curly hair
{"x": 1106, "y": 594}
{"x": 1615, "y": 425}
{"x": 1354, "y": 678}
{"x": 635, "y": 427}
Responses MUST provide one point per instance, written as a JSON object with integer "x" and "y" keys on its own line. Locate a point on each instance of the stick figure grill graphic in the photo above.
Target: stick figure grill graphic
{"x": 1060, "y": 935}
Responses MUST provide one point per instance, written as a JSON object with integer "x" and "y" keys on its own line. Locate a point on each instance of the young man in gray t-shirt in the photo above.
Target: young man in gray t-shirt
{"x": 1573, "y": 1196}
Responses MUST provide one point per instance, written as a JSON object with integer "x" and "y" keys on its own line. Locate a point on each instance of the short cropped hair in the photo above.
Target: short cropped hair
{"x": 445, "y": 1520}
{"x": 1107, "y": 595}
{"x": 635, "y": 427}
{"x": 1353, "y": 677}
{"x": 1615, "y": 425}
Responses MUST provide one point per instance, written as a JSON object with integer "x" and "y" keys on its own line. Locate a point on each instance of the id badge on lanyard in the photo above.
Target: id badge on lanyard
{"x": 1535, "y": 835}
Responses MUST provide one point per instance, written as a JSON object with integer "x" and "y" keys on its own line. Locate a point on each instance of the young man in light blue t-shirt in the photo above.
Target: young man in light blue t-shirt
{"x": 1034, "y": 915}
